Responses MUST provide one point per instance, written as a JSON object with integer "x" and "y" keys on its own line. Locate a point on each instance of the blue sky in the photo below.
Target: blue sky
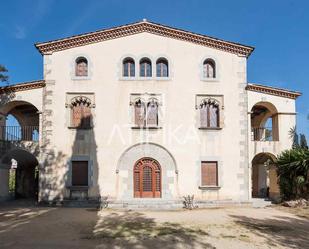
{"x": 278, "y": 29}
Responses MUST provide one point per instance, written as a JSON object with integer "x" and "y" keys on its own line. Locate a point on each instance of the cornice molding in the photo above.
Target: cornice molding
{"x": 23, "y": 86}
{"x": 139, "y": 27}
{"x": 273, "y": 91}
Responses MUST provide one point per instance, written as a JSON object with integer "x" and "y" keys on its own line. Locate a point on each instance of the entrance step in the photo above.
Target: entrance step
{"x": 261, "y": 202}
{"x": 145, "y": 204}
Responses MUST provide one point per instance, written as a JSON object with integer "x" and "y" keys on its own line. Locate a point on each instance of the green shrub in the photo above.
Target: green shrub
{"x": 292, "y": 169}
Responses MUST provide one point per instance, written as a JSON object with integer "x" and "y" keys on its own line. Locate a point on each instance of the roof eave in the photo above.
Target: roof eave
{"x": 138, "y": 27}
{"x": 273, "y": 91}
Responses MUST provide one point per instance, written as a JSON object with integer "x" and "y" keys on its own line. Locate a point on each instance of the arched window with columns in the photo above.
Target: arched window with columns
{"x": 81, "y": 116}
{"x": 209, "y": 113}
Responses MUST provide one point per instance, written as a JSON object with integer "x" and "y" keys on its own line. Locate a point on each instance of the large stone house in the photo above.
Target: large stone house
{"x": 144, "y": 113}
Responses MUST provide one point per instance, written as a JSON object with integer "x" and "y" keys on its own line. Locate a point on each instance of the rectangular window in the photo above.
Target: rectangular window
{"x": 79, "y": 173}
{"x": 209, "y": 173}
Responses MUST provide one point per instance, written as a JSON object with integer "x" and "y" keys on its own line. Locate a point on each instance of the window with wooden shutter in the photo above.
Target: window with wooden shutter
{"x": 81, "y": 67}
{"x": 140, "y": 113}
{"x": 79, "y": 173}
{"x": 209, "y": 174}
{"x": 81, "y": 113}
{"x": 209, "y": 114}
{"x": 209, "y": 69}
{"x": 152, "y": 113}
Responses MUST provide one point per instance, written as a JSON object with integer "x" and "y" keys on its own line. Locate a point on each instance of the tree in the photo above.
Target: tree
{"x": 294, "y": 136}
{"x": 3, "y": 76}
{"x": 292, "y": 169}
{"x": 303, "y": 142}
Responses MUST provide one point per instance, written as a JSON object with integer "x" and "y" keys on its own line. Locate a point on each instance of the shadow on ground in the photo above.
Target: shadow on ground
{"x": 135, "y": 230}
{"x": 280, "y": 230}
{"x": 12, "y": 218}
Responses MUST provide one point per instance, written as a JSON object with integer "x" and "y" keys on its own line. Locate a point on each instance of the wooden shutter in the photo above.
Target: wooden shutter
{"x": 82, "y": 68}
{"x": 209, "y": 174}
{"x": 203, "y": 116}
{"x": 81, "y": 116}
{"x": 213, "y": 116}
{"x": 80, "y": 173}
{"x": 139, "y": 110}
{"x": 86, "y": 116}
{"x": 76, "y": 116}
{"x": 152, "y": 114}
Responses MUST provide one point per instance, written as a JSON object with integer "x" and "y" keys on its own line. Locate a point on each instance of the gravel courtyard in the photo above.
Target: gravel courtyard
{"x": 241, "y": 228}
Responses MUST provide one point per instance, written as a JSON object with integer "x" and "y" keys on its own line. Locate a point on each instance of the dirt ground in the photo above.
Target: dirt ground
{"x": 241, "y": 228}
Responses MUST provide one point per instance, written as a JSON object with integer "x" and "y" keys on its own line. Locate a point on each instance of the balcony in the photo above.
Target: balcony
{"x": 262, "y": 134}
{"x": 19, "y": 133}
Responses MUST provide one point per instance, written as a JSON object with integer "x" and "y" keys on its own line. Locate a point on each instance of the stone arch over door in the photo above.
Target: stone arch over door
{"x": 135, "y": 153}
{"x": 26, "y": 176}
{"x": 264, "y": 176}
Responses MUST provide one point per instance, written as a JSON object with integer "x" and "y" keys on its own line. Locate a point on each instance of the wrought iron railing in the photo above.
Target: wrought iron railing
{"x": 19, "y": 133}
{"x": 262, "y": 134}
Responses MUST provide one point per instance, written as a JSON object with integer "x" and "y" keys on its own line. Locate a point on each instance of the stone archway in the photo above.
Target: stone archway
{"x": 132, "y": 155}
{"x": 264, "y": 176}
{"x": 25, "y": 174}
{"x": 27, "y": 116}
{"x": 264, "y": 122}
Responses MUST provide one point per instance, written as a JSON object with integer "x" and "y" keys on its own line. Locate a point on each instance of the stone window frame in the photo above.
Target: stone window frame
{"x": 218, "y": 98}
{"x": 124, "y": 61}
{"x": 69, "y": 97}
{"x": 120, "y": 68}
{"x": 73, "y": 68}
{"x": 146, "y": 97}
{"x": 219, "y": 172}
{"x": 90, "y": 170}
{"x": 217, "y": 69}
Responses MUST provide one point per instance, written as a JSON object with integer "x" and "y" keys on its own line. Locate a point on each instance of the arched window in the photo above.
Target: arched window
{"x": 140, "y": 113}
{"x": 209, "y": 113}
{"x": 209, "y": 68}
{"x": 81, "y": 66}
{"x": 162, "y": 67}
{"x": 81, "y": 112}
{"x": 128, "y": 65}
{"x": 145, "y": 67}
{"x": 152, "y": 113}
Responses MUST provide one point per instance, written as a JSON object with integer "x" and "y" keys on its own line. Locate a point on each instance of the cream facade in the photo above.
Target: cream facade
{"x": 113, "y": 146}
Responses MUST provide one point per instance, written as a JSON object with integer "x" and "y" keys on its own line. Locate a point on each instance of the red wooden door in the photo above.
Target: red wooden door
{"x": 147, "y": 178}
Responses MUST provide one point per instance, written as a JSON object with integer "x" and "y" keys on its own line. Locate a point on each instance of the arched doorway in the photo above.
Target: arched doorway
{"x": 264, "y": 122}
{"x": 264, "y": 176}
{"x": 147, "y": 178}
{"x": 24, "y": 174}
